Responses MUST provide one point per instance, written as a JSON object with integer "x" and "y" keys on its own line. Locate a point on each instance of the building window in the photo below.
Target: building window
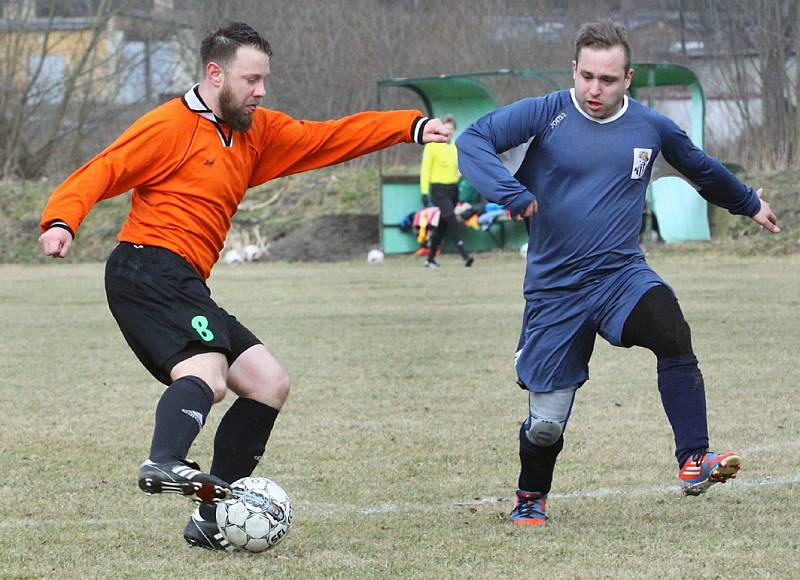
{"x": 48, "y": 86}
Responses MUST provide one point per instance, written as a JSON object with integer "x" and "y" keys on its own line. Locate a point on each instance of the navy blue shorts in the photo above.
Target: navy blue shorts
{"x": 559, "y": 327}
{"x": 165, "y": 311}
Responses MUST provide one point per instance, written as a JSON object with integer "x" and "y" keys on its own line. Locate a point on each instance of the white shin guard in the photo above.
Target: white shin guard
{"x": 548, "y": 414}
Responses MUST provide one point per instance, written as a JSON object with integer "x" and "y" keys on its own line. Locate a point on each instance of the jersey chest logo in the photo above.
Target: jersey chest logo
{"x": 641, "y": 159}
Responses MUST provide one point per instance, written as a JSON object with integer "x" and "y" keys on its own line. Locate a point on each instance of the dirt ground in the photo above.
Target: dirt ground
{"x": 328, "y": 239}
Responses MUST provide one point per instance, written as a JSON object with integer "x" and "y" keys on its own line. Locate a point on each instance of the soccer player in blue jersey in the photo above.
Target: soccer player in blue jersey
{"x": 586, "y": 157}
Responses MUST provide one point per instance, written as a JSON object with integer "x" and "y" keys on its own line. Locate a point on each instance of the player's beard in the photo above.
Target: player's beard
{"x": 235, "y": 115}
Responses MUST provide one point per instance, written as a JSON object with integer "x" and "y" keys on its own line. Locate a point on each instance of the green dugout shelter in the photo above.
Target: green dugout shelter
{"x": 682, "y": 214}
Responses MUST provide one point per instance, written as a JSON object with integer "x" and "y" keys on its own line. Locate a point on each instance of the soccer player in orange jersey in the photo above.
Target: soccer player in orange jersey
{"x": 188, "y": 163}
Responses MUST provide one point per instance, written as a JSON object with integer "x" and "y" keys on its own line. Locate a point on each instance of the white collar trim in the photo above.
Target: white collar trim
{"x": 614, "y": 117}
{"x": 196, "y": 105}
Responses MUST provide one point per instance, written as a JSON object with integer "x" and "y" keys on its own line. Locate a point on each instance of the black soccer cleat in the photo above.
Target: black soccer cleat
{"x": 202, "y": 533}
{"x": 183, "y": 477}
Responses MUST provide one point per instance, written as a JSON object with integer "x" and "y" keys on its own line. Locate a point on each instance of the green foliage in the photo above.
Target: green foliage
{"x": 398, "y": 445}
{"x": 22, "y": 204}
{"x": 283, "y": 204}
{"x": 782, "y": 192}
{"x": 275, "y": 208}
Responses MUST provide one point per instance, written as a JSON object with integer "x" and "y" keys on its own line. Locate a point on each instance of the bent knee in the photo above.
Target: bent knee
{"x": 544, "y": 433}
{"x": 281, "y": 385}
{"x": 548, "y": 414}
{"x": 218, "y": 385}
{"x": 272, "y": 390}
{"x": 211, "y": 367}
{"x": 675, "y": 340}
{"x": 217, "y": 379}
{"x": 682, "y": 338}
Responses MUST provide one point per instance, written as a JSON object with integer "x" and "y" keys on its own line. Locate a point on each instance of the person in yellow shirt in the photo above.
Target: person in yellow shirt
{"x": 439, "y": 181}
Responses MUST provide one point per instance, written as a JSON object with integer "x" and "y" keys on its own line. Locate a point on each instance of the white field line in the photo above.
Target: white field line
{"x": 419, "y": 508}
{"x": 737, "y": 485}
{"x": 777, "y": 446}
{"x": 733, "y": 487}
{"x": 600, "y": 493}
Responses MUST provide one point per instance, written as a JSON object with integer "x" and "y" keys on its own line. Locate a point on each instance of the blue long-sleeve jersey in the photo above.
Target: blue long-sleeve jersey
{"x": 589, "y": 178}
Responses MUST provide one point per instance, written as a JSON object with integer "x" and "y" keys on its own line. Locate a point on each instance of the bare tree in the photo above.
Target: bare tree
{"x": 329, "y": 55}
{"x": 796, "y": 153}
{"x": 752, "y": 44}
{"x": 63, "y": 65}
{"x": 776, "y": 128}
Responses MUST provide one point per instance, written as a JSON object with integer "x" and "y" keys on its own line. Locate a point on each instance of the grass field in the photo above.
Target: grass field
{"x": 398, "y": 445}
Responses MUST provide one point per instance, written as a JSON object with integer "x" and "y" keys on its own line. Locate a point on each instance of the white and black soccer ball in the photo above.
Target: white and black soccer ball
{"x": 258, "y": 516}
{"x": 375, "y": 256}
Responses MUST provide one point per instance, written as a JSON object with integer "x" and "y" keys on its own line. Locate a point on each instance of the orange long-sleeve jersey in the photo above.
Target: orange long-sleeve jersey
{"x": 188, "y": 172}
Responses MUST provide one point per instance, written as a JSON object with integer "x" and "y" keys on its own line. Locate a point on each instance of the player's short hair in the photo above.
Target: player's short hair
{"x": 449, "y": 119}
{"x": 604, "y": 34}
{"x": 220, "y": 46}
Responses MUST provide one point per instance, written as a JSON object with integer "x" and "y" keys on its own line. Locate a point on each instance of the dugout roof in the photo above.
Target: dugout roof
{"x": 466, "y": 97}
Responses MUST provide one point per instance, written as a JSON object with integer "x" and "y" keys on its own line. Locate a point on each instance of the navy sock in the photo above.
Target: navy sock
{"x": 683, "y": 396}
{"x": 180, "y": 414}
{"x": 240, "y": 442}
{"x": 537, "y": 463}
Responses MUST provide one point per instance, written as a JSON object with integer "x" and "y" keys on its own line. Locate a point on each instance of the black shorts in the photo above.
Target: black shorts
{"x": 445, "y": 196}
{"x": 165, "y": 311}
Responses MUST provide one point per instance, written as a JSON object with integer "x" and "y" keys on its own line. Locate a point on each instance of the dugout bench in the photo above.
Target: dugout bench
{"x": 400, "y": 197}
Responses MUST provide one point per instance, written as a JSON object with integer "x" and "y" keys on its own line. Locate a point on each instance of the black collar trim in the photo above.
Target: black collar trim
{"x": 195, "y": 103}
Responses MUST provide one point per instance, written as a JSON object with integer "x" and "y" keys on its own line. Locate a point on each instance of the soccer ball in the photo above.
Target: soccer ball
{"x": 233, "y": 257}
{"x": 258, "y": 516}
{"x": 252, "y": 253}
{"x": 375, "y": 257}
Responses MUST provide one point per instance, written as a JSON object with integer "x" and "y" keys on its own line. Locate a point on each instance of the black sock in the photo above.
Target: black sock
{"x": 180, "y": 414}
{"x": 462, "y": 250}
{"x": 684, "y": 399}
{"x": 537, "y": 463}
{"x": 435, "y": 241}
{"x": 432, "y": 252}
{"x": 240, "y": 442}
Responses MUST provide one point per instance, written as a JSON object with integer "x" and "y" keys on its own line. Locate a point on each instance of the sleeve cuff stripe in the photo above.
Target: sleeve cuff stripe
{"x": 418, "y": 128}
{"x": 62, "y": 225}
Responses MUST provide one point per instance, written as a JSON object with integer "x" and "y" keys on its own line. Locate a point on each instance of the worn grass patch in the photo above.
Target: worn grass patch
{"x": 398, "y": 445}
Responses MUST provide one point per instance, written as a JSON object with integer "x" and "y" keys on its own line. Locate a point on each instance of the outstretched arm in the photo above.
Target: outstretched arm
{"x": 291, "y": 146}
{"x": 765, "y": 217}
{"x": 716, "y": 184}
